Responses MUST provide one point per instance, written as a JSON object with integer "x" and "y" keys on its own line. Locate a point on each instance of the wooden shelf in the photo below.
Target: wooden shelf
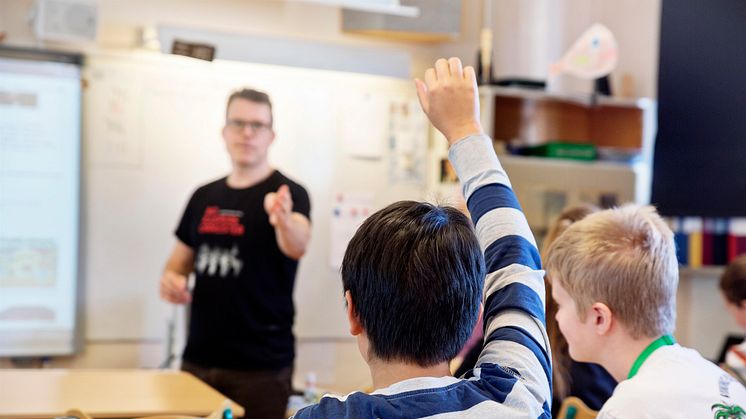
{"x": 584, "y": 100}
{"x": 617, "y": 126}
{"x": 702, "y": 271}
{"x": 546, "y": 162}
{"x": 425, "y": 38}
{"x": 536, "y": 117}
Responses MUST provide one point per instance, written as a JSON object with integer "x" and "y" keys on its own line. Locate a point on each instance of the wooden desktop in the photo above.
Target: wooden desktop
{"x": 47, "y": 393}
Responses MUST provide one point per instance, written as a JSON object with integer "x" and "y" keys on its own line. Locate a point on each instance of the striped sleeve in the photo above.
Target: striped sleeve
{"x": 514, "y": 295}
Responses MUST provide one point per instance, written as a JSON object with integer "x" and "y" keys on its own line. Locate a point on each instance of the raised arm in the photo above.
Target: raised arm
{"x": 514, "y": 318}
{"x": 292, "y": 229}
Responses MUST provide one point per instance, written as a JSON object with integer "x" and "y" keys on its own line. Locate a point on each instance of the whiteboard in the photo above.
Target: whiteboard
{"x": 152, "y": 135}
{"x": 40, "y": 99}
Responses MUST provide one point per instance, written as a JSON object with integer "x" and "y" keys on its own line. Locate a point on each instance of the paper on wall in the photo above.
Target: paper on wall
{"x": 349, "y": 210}
{"x": 408, "y": 141}
{"x": 364, "y": 126}
{"x": 114, "y": 136}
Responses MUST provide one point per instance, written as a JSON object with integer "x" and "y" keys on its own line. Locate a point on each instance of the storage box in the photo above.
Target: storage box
{"x": 562, "y": 150}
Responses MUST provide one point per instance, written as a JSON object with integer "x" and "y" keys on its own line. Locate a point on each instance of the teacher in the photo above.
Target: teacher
{"x": 242, "y": 236}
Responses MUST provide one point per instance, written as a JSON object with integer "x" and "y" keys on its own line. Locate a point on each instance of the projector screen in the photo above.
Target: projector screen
{"x": 40, "y": 120}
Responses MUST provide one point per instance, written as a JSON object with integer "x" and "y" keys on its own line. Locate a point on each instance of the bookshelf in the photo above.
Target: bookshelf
{"x": 704, "y": 272}
{"x": 536, "y": 117}
{"x": 623, "y": 130}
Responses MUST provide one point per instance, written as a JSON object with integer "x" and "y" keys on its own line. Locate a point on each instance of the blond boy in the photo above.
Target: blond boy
{"x": 614, "y": 277}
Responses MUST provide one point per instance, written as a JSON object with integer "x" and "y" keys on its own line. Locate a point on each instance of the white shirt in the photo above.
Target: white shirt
{"x": 675, "y": 382}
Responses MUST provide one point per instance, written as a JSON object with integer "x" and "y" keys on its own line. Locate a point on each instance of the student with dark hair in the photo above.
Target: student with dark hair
{"x": 733, "y": 288}
{"x": 421, "y": 248}
{"x": 242, "y": 236}
{"x": 414, "y": 276}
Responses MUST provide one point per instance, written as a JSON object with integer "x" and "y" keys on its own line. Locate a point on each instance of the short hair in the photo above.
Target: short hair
{"x": 251, "y": 95}
{"x": 415, "y": 272}
{"x": 567, "y": 217}
{"x": 561, "y": 360}
{"x": 733, "y": 281}
{"x": 625, "y": 258}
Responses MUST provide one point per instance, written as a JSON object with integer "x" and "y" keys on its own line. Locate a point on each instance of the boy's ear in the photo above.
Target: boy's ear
{"x": 355, "y": 327}
{"x": 602, "y": 318}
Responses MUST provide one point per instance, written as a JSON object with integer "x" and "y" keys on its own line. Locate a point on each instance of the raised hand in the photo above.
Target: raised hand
{"x": 279, "y": 206}
{"x": 450, "y": 100}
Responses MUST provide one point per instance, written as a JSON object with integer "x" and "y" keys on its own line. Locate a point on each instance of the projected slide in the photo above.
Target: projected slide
{"x": 39, "y": 199}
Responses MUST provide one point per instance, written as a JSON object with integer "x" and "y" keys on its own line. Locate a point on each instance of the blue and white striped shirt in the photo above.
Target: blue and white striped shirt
{"x": 512, "y": 378}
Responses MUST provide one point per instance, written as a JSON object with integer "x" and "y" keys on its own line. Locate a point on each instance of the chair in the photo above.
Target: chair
{"x": 223, "y": 412}
{"x": 574, "y": 408}
{"x": 729, "y": 341}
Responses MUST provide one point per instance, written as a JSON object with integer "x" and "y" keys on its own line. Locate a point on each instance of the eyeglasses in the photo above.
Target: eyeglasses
{"x": 240, "y": 125}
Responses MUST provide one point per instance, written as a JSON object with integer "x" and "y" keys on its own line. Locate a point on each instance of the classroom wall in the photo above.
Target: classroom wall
{"x": 528, "y": 36}
{"x": 635, "y": 24}
{"x": 120, "y": 23}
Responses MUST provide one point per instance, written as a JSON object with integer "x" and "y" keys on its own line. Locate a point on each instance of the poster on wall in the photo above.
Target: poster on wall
{"x": 349, "y": 210}
{"x": 408, "y": 128}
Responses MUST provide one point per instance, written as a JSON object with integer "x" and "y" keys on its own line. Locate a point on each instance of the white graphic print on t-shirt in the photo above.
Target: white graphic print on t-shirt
{"x": 217, "y": 260}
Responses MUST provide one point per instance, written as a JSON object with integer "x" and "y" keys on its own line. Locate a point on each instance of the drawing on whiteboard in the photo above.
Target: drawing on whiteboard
{"x": 114, "y": 136}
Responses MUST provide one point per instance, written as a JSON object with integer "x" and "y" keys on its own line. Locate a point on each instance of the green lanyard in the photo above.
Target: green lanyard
{"x": 664, "y": 340}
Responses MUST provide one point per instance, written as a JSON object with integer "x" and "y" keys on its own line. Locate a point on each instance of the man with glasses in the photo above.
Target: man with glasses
{"x": 242, "y": 236}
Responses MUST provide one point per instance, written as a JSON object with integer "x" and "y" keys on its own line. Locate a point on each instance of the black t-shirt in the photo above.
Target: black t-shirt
{"x": 242, "y": 304}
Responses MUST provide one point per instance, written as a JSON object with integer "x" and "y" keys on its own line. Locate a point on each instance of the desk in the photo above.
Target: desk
{"x": 43, "y": 393}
